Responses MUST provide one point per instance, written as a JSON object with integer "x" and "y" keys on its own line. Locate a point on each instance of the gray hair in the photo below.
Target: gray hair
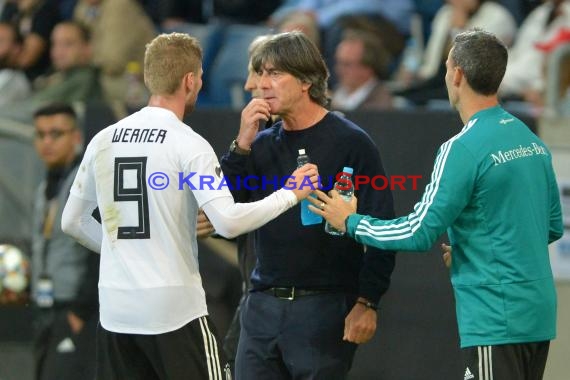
{"x": 294, "y": 53}
{"x": 483, "y": 59}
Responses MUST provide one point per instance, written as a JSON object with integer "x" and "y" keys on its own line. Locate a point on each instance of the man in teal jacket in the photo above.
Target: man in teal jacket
{"x": 494, "y": 190}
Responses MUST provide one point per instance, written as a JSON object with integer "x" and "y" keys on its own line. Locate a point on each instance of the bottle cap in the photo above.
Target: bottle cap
{"x": 301, "y": 152}
{"x": 347, "y": 169}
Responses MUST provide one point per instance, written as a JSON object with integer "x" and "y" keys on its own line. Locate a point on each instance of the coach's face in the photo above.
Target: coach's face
{"x": 282, "y": 90}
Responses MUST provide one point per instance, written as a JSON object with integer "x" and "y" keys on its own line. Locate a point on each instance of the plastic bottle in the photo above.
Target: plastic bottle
{"x": 308, "y": 218}
{"x": 345, "y": 189}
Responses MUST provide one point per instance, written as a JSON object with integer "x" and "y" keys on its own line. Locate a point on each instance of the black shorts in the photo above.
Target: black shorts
{"x": 524, "y": 361}
{"x": 191, "y": 352}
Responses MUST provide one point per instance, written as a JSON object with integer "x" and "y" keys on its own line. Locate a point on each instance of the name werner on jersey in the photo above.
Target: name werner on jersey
{"x": 139, "y": 135}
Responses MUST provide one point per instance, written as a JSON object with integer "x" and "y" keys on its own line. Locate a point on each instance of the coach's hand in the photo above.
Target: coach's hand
{"x": 446, "y": 254}
{"x": 203, "y": 226}
{"x": 360, "y": 324}
{"x": 254, "y": 113}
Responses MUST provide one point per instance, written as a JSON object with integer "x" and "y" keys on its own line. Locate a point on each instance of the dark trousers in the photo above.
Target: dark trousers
{"x": 523, "y": 361}
{"x": 232, "y": 335}
{"x": 59, "y": 353}
{"x": 190, "y": 352}
{"x": 294, "y": 339}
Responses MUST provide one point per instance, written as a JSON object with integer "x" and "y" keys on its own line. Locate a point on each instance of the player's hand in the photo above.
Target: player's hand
{"x": 334, "y": 208}
{"x": 303, "y": 181}
{"x": 360, "y": 324}
{"x": 75, "y": 323}
{"x": 446, "y": 254}
{"x": 254, "y": 113}
{"x": 203, "y": 226}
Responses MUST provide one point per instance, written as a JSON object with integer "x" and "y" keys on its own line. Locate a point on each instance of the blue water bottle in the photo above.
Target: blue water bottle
{"x": 345, "y": 189}
{"x": 308, "y": 218}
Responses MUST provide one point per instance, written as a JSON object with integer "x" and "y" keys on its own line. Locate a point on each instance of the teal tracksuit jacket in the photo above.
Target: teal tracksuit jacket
{"x": 494, "y": 190}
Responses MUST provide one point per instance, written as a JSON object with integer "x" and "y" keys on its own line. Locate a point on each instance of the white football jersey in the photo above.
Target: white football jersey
{"x": 149, "y": 173}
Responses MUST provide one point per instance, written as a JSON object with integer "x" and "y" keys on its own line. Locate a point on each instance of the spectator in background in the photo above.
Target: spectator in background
{"x": 426, "y": 10}
{"x": 303, "y": 22}
{"x": 175, "y": 12}
{"x": 66, "y": 8}
{"x": 14, "y": 86}
{"x": 172, "y": 13}
{"x": 7, "y": 9}
{"x": 64, "y": 274}
{"x": 556, "y": 91}
{"x": 454, "y": 17}
{"x": 524, "y": 78}
{"x": 331, "y": 17}
{"x": 457, "y": 16}
{"x": 35, "y": 20}
{"x": 72, "y": 79}
{"x": 120, "y": 30}
{"x": 327, "y": 12}
{"x": 244, "y": 11}
{"x": 361, "y": 63}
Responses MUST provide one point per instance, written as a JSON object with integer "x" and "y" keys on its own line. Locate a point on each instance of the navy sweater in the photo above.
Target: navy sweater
{"x": 290, "y": 254}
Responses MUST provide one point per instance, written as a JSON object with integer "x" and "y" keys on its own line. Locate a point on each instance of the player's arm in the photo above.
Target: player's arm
{"x": 444, "y": 198}
{"x": 232, "y": 219}
{"x": 78, "y": 222}
{"x": 229, "y": 219}
{"x": 236, "y": 166}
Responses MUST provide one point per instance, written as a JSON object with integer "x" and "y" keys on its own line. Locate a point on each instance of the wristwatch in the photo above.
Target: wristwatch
{"x": 368, "y": 304}
{"x": 235, "y": 148}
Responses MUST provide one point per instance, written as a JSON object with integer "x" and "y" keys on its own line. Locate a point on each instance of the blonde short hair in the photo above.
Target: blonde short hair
{"x": 168, "y": 58}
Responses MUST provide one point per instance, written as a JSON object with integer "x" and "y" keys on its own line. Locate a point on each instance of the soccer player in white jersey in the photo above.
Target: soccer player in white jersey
{"x": 149, "y": 174}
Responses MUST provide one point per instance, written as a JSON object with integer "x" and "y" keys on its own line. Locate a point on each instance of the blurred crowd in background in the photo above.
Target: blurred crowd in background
{"x": 382, "y": 54}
